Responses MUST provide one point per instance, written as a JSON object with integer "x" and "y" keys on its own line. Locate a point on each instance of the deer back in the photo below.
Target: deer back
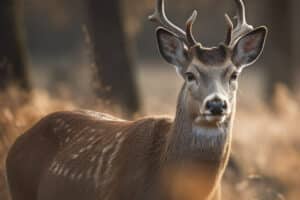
{"x": 89, "y": 155}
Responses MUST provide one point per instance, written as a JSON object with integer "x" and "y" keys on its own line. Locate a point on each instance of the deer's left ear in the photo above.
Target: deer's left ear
{"x": 249, "y": 47}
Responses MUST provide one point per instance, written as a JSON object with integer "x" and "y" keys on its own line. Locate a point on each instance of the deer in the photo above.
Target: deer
{"x": 89, "y": 155}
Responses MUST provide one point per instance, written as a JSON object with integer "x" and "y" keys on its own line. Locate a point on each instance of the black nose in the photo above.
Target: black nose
{"x": 216, "y": 106}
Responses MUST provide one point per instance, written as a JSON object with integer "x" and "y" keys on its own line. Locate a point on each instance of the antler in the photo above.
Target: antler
{"x": 229, "y": 31}
{"x": 241, "y": 28}
{"x": 161, "y": 19}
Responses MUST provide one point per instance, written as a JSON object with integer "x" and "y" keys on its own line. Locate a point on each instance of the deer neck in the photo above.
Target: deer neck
{"x": 193, "y": 143}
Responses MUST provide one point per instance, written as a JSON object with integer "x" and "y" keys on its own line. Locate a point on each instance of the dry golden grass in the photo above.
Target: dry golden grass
{"x": 266, "y": 147}
{"x": 17, "y": 113}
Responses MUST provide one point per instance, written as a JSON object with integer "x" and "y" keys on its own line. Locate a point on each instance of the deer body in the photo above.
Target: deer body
{"x": 78, "y": 155}
{"x": 88, "y": 155}
{"x": 86, "y": 158}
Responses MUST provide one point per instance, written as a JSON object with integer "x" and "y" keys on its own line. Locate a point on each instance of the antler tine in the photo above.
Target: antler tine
{"x": 159, "y": 17}
{"x": 241, "y": 28}
{"x": 241, "y": 13}
{"x": 229, "y": 30}
{"x": 189, "y": 29}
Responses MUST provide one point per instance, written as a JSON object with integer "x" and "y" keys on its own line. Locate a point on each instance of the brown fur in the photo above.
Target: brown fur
{"x": 34, "y": 154}
{"x": 211, "y": 56}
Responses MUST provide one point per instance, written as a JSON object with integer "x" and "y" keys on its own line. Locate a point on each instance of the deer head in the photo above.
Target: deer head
{"x": 210, "y": 74}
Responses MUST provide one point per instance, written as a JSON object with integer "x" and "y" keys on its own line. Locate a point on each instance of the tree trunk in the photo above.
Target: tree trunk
{"x": 12, "y": 53}
{"x": 279, "y": 45}
{"x": 296, "y": 42}
{"x": 112, "y": 55}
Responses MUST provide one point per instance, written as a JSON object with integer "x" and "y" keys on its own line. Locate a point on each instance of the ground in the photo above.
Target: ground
{"x": 266, "y": 145}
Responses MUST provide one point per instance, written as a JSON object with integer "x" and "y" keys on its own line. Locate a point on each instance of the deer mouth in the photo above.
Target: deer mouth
{"x": 211, "y": 118}
{"x": 215, "y": 118}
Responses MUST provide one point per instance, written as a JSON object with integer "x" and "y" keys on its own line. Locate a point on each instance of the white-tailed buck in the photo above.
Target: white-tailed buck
{"x": 92, "y": 156}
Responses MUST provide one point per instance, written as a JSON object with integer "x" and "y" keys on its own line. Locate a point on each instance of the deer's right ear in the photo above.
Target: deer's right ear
{"x": 172, "y": 49}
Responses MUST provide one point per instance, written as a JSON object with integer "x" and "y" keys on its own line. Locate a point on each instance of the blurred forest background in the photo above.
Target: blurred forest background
{"x": 101, "y": 55}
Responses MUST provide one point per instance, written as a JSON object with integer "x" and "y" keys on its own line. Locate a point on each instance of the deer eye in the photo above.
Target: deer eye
{"x": 190, "y": 77}
{"x": 234, "y": 76}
